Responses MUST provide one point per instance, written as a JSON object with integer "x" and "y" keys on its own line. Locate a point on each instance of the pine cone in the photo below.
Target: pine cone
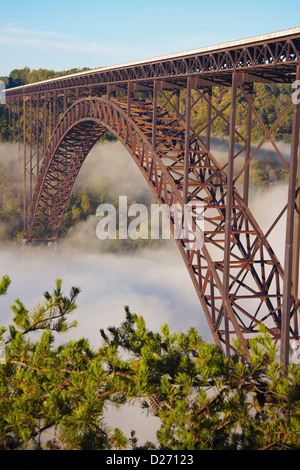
{"x": 155, "y": 403}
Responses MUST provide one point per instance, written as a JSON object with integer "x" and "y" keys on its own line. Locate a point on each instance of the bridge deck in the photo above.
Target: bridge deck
{"x": 271, "y": 56}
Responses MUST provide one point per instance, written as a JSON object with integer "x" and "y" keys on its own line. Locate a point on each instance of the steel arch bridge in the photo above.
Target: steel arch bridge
{"x": 149, "y": 106}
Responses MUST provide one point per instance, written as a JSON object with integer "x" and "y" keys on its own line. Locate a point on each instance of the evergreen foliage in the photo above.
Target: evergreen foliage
{"x": 55, "y": 397}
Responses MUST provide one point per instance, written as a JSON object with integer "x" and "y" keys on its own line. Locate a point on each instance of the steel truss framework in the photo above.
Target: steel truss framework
{"x": 237, "y": 276}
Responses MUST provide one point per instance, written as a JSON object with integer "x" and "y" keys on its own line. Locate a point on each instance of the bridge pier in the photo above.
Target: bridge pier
{"x": 291, "y": 261}
{"x": 228, "y": 216}
{"x": 187, "y": 140}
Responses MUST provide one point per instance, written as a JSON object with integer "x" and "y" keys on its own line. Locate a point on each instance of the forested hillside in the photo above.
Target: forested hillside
{"x": 25, "y": 76}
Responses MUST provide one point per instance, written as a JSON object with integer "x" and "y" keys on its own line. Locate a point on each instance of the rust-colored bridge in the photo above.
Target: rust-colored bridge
{"x": 149, "y": 106}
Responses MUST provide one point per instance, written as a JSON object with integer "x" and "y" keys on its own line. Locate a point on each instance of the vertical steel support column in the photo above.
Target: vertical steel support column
{"x": 129, "y": 93}
{"x": 208, "y": 128}
{"x": 187, "y": 141}
{"x": 228, "y": 216}
{"x": 154, "y": 116}
{"x": 45, "y": 123}
{"x": 296, "y": 254}
{"x": 31, "y": 149}
{"x": 54, "y": 99}
{"x": 24, "y": 162}
{"x": 249, "y": 98}
{"x": 178, "y": 103}
{"x": 19, "y": 124}
{"x": 50, "y": 110}
{"x": 289, "y": 239}
{"x": 19, "y": 143}
{"x": 37, "y": 134}
{"x": 65, "y": 101}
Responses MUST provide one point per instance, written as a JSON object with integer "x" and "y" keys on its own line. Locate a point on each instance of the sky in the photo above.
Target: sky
{"x": 64, "y": 34}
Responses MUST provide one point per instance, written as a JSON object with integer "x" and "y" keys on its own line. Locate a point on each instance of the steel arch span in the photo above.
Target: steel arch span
{"x": 239, "y": 281}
